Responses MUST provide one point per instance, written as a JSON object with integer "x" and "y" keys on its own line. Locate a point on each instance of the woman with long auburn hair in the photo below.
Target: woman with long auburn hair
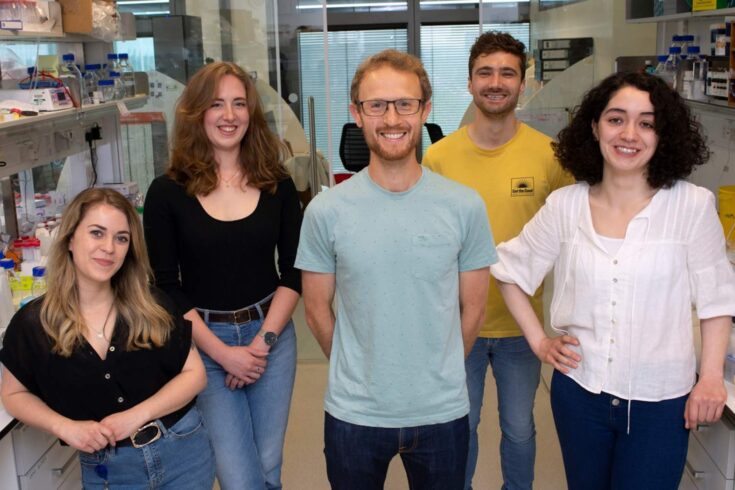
{"x": 214, "y": 224}
{"x": 99, "y": 361}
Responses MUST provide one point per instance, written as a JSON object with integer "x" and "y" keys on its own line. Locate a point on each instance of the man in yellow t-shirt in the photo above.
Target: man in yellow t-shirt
{"x": 513, "y": 168}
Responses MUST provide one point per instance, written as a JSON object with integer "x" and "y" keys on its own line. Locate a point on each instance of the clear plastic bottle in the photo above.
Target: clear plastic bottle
{"x": 672, "y": 65}
{"x": 117, "y": 83}
{"x": 8, "y": 266}
{"x": 127, "y": 74}
{"x": 72, "y": 78}
{"x": 661, "y": 70}
{"x": 91, "y": 91}
{"x": 107, "y": 88}
{"x": 686, "y": 41}
{"x": 39, "y": 281}
{"x": 112, "y": 64}
{"x": 7, "y": 308}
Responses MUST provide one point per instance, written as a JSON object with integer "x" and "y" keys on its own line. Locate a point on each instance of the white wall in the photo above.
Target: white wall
{"x": 603, "y": 20}
{"x": 208, "y": 11}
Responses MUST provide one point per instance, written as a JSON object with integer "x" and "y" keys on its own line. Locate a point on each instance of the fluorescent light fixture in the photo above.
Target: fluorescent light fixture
{"x": 403, "y": 4}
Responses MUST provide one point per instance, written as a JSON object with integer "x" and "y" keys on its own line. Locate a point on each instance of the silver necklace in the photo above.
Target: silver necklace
{"x": 100, "y": 334}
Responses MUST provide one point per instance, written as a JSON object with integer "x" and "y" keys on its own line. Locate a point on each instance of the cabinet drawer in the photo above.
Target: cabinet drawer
{"x": 29, "y": 444}
{"x": 51, "y": 470}
{"x": 702, "y": 470}
{"x": 686, "y": 482}
{"x": 73, "y": 480}
{"x": 718, "y": 439}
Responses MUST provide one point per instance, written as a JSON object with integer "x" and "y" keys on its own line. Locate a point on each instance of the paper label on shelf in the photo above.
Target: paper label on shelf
{"x": 123, "y": 109}
{"x": 11, "y": 25}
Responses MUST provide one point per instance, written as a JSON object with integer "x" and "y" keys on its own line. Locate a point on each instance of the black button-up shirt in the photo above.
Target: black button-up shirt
{"x": 84, "y": 386}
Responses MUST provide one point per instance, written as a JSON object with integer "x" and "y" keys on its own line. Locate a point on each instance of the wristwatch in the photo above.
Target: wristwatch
{"x": 269, "y": 338}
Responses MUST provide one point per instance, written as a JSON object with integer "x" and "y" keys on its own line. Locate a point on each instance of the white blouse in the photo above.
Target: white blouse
{"x": 631, "y": 310}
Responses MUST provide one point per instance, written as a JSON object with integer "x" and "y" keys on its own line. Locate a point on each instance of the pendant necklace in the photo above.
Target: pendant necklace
{"x": 229, "y": 179}
{"x": 100, "y": 334}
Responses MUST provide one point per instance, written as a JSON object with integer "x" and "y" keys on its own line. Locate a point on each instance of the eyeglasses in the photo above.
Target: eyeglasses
{"x": 377, "y": 107}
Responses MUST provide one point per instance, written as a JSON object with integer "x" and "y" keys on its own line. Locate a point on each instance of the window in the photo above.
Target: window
{"x": 347, "y": 49}
{"x": 445, "y": 51}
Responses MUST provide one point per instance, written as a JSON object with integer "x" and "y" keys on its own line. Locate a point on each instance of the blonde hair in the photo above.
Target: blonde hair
{"x": 148, "y": 323}
{"x": 192, "y": 159}
{"x": 397, "y": 60}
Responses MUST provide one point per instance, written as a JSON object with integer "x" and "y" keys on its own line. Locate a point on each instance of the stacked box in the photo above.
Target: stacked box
{"x": 556, "y": 55}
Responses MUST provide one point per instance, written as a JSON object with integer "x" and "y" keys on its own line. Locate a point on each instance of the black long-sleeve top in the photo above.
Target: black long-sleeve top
{"x": 203, "y": 262}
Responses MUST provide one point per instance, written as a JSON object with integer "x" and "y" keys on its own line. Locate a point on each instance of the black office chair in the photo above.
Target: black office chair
{"x": 353, "y": 150}
{"x": 435, "y": 132}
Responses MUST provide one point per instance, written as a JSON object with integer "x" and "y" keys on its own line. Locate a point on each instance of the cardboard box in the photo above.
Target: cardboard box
{"x": 77, "y": 15}
{"x": 699, "y": 5}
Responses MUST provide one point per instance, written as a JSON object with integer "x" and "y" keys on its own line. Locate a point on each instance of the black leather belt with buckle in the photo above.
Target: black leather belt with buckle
{"x": 238, "y": 316}
{"x": 151, "y": 432}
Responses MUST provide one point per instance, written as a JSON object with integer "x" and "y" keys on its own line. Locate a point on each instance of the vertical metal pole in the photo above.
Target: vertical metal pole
{"x": 314, "y": 180}
{"x": 328, "y": 93}
{"x": 281, "y": 102}
{"x": 480, "y": 20}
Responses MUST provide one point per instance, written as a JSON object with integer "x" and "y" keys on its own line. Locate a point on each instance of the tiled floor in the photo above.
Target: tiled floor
{"x": 304, "y": 467}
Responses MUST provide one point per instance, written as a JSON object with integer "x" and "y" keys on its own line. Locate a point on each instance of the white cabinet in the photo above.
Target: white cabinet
{"x": 40, "y": 462}
{"x": 710, "y": 461}
{"x": 8, "y": 476}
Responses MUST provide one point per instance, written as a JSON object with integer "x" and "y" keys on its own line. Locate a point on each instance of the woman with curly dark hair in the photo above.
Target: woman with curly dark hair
{"x": 633, "y": 247}
{"x": 213, "y": 226}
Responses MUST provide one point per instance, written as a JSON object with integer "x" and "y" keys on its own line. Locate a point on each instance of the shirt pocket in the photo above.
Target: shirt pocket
{"x": 433, "y": 257}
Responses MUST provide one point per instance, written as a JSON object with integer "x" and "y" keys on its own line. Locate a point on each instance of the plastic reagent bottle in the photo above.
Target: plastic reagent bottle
{"x": 39, "y": 281}
{"x": 72, "y": 70}
{"x": 8, "y": 266}
{"x": 127, "y": 74}
{"x": 91, "y": 91}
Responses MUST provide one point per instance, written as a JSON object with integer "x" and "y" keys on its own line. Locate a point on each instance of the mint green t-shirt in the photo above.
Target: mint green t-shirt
{"x": 397, "y": 355}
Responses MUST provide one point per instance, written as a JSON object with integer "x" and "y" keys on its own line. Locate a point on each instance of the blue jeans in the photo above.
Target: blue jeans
{"x": 434, "y": 456}
{"x": 247, "y": 426}
{"x": 598, "y": 452}
{"x": 181, "y": 459}
{"x": 517, "y": 371}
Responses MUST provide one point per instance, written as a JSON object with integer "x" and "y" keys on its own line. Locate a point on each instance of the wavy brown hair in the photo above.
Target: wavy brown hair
{"x": 681, "y": 146}
{"x": 192, "y": 158}
{"x": 148, "y": 323}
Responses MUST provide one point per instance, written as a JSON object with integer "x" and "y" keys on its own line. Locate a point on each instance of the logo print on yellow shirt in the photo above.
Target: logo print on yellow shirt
{"x": 521, "y": 186}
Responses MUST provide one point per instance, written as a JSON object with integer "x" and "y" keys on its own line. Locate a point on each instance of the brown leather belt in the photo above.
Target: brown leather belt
{"x": 243, "y": 315}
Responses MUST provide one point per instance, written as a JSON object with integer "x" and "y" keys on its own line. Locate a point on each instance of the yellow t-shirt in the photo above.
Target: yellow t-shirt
{"x": 513, "y": 180}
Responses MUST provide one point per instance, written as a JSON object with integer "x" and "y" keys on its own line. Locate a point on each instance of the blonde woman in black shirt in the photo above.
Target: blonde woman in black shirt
{"x": 214, "y": 224}
{"x": 101, "y": 363}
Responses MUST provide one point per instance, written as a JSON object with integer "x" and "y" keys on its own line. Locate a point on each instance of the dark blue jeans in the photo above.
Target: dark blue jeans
{"x": 598, "y": 452}
{"x": 434, "y": 456}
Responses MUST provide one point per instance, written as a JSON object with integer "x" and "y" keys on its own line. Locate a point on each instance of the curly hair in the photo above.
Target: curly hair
{"x": 192, "y": 158}
{"x": 494, "y": 41}
{"x": 148, "y": 322}
{"x": 681, "y": 146}
{"x": 397, "y": 60}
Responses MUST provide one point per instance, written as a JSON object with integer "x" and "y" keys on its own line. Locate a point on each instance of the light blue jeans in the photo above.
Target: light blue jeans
{"x": 181, "y": 459}
{"x": 247, "y": 426}
{"x": 517, "y": 371}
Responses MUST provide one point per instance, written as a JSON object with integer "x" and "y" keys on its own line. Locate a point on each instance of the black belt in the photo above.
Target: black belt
{"x": 243, "y": 315}
{"x": 151, "y": 431}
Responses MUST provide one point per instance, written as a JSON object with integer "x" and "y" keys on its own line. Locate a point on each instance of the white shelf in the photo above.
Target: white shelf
{"x": 46, "y": 37}
{"x": 85, "y": 112}
{"x": 36, "y": 140}
{"x": 683, "y": 16}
